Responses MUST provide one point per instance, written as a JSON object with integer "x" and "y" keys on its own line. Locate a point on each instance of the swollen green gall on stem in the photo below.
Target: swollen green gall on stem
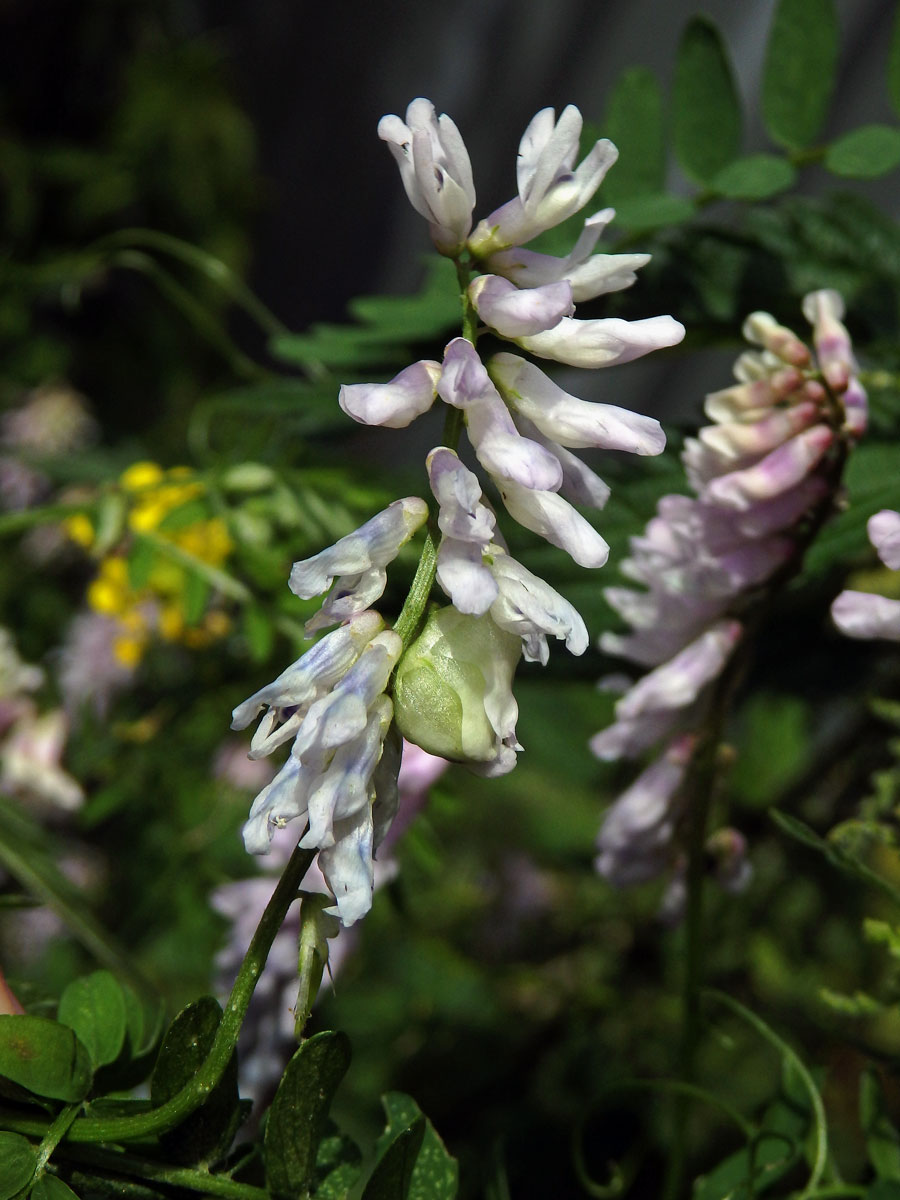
{"x": 453, "y": 691}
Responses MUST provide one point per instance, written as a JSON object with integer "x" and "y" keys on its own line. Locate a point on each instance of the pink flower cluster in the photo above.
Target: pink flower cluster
{"x": 760, "y": 472}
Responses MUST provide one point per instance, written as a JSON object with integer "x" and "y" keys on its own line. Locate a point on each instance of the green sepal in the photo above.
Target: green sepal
{"x": 799, "y": 70}
{"x": 206, "y": 1134}
{"x": 706, "y": 106}
{"x": 18, "y": 1159}
{"x": 298, "y": 1116}
{"x": 94, "y": 1007}
{"x": 44, "y": 1057}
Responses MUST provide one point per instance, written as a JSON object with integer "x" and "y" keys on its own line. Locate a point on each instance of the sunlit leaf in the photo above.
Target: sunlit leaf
{"x": 44, "y": 1057}
{"x": 94, "y": 1007}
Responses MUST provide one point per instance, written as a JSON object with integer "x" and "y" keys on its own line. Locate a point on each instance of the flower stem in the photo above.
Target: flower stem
{"x": 193, "y": 1094}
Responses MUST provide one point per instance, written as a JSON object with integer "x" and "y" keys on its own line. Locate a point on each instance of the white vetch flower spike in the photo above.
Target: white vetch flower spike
{"x": 397, "y": 403}
{"x": 550, "y": 190}
{"x": 357, "y": 562}
{"x": 435, "y": 170}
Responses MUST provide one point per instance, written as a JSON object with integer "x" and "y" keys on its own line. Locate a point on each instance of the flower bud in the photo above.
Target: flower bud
{"x": 452, "y": 689}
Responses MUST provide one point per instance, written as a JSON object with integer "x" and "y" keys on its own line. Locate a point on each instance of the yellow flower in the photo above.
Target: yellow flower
{"x": 141, "y": 475}
{"x": 80, "y": 528}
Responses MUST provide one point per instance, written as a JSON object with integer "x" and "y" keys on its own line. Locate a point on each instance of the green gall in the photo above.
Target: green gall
{"x": 453, "y": 689}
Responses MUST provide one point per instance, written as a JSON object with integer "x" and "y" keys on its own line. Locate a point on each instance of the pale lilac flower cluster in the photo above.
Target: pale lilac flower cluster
{"x": 759, "y": 473}
{"x": 267, "y": 1036}
{"x": 866, "y": 614}
{"x": 333, "y": 703}
{"x": 521, "y": 424}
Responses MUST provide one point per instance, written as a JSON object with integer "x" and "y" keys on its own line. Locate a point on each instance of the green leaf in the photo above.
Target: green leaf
{"x": 337, "y": 1165}
{"x": 194, "y": 596}
{"x": 756, "y": 177}
{"x": 893, "y": 64}
{"x": 94, "y": 1007}
{"x": 299, "y": 1112}
{"x": 882, "y": 1139}
{"x": 883, "y": 1189}
{"x": 18, "y": 1159}
{"x": 634, "y": 122}
{"x": 142, "y": 558}
{"x": 707, "y": 110}
{"x": 799, "y": 71}
{"x": 44, "y": 1057}
{"x": 392, "y": 1177}
{"x": 206, "y": 1134}
{"x": 645, "y": 213}
{"x": 50, "y": 1187}
{"x": 435, "y": 1175}
{"x": 259, "y": 633}
{"x": 865, "y": 153}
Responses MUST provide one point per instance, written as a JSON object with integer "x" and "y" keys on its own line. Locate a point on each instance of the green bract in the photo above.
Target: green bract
{"x": 452, "y": 685}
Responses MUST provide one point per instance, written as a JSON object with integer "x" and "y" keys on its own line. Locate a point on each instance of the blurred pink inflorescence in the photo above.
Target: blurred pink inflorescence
{"x": 762, "y": 474}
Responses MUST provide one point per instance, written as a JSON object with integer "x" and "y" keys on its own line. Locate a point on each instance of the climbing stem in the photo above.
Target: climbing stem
{"x": 193, "y": 1094}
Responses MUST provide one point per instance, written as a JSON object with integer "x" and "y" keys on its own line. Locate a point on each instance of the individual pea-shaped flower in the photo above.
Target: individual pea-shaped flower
{"x": 550, "y": 187}
{"x": 356, "y": 563}
{"x": 435, "y": 169}
{"x": 587, "y": 274}
{"x": 866, "y": 614}
{"x": 453, "y": 691}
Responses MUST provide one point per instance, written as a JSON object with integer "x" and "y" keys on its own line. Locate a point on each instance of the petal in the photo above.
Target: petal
{"x": 884, "y": 534}
{"x": 464, "y": 577}
{"x": 395, "y": 404}
{"x": 552, "y": 517}
{"x": 604, "y": 342}
{"x": 374, "y": 544}
{"x": 568, "y": 420}
{"x": 864, "y": 615}
{"x": 514, "y": 312}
